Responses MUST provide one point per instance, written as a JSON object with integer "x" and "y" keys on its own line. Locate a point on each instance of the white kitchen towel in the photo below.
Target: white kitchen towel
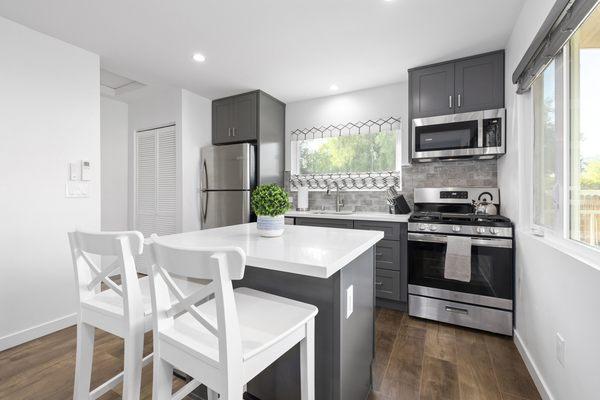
{"x": 458, "y": 259}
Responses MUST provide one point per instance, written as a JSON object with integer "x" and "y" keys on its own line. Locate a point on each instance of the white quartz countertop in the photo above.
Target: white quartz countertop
{"x": 305, "y": 250}
{"x": 359, "y": 216}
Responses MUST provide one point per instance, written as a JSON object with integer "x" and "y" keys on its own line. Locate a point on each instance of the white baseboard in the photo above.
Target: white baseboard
{"x": 539, "y": 381}
{"x": 17, "y": 338}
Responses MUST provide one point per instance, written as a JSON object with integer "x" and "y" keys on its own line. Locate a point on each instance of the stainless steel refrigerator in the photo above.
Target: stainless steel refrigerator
{"x": 228, "y": 175}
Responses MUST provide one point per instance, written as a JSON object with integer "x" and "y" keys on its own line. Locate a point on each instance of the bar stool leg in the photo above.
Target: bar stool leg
{"x": 307, "y": 363}
{"x": 162, "y": 379}
{"x": 83, "y": 360}
{"x": 132, "y": 371}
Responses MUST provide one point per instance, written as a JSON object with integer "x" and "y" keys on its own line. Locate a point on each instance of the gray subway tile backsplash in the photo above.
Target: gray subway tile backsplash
{"x": 481, "y": 173}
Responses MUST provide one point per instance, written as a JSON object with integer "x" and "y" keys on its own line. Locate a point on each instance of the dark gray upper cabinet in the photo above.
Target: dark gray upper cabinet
{"x": 432, "y": 91}
{"x": 245, "y": 117}
{"x": 235, "y": 119}
{"x": 222, "y": 120}
{"x": 468, "y": 84}
{"x": 258, "y": 118}
{"x": 479, "y": 83}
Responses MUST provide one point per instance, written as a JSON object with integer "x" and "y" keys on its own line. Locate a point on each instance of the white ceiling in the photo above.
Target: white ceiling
{"x": 112, "y": 80}
{"x": 292, "y": 49}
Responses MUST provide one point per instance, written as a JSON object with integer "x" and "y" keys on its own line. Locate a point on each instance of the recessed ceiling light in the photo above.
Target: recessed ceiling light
{"x": 199, "y": 57}
{"x": 333, "y": 87}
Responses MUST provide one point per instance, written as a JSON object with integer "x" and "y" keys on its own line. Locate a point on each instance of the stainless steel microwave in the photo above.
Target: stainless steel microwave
{"x": 480, "y": 135}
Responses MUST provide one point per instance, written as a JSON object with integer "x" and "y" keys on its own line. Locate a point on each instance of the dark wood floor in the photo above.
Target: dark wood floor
{"x": 415, "y": 359}
{"x": 419, "y": 359}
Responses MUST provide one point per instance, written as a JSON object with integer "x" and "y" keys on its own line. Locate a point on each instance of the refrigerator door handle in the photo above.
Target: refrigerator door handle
{"x": 204, "y": 195}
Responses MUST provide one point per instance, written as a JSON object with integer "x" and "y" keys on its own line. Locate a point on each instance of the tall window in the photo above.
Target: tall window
{"x": 566, "y": 165}
{"x": 547, "y": 148}
{"x": 585, "y": 132}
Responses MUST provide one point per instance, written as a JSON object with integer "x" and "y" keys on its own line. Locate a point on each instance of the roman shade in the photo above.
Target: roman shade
{"x": 560, "y": 24}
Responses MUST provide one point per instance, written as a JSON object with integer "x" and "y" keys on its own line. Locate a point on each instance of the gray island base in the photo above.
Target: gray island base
{"x": 344, "y": 347}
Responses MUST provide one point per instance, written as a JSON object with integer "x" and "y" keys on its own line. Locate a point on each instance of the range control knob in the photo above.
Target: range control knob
{"x": 456, "y": 228}
{"x": 480, "y": 230}
{"x": 422, "y": 227}
{"x": 433, "y": 228}
{"x": 494, "y": 231}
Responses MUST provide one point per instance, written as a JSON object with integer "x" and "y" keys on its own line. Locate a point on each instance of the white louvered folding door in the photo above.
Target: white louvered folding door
{"x": 156, "y": 181}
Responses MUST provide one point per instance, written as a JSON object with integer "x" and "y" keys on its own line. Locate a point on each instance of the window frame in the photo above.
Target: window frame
{"x": 295, "y": 163}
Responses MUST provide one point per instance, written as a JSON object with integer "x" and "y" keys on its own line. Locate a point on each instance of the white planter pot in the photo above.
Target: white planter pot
{"x": 270, "y": 226}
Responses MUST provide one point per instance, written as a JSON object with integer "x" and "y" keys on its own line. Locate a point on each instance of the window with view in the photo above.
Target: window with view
{"x": 367, "y": 152}
{"x": 567, "y": 139}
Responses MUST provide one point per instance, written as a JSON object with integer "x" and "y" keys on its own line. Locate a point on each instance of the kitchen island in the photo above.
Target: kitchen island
{"x": 330, "y": 268}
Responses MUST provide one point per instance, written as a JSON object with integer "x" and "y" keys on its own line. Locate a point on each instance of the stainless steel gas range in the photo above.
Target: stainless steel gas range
{"x": 482, "y": 298}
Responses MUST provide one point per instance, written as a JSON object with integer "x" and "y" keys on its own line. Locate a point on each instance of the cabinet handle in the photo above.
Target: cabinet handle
{"x": 458, "y": 101}
{"x": 378, "y": 254}
{"x": 450, "y": 101}
{"x": 457, "y": 310}
{"x": 378, "y": 283}
{"x": 233, "y": 131}
{"x": 229, "y": 132}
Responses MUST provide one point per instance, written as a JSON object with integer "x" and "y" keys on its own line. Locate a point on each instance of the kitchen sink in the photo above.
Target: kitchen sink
{"x": 331, "y": 212}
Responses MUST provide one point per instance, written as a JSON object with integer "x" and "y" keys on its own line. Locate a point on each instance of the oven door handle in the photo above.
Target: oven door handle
{"x": 475, "y": 241}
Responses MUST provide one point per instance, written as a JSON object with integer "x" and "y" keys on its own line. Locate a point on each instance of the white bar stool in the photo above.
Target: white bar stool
{"x": 123, "y": 310}
{"x": 220, "y": 336}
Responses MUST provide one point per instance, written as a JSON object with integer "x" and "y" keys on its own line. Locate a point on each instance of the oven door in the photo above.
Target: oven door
{"x": 492, "y": 269}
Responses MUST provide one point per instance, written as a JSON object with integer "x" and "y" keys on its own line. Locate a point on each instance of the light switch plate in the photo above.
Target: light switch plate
{"x": 74, "y": 171}
{"x": 349, "y": 301}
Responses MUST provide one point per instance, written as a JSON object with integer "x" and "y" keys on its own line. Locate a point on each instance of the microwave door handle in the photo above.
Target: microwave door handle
{"x": 480, "y": 132}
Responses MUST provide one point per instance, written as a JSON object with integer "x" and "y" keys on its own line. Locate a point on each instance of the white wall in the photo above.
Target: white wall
{"x": 50, "y": 113}
{"x": 380, "y": 102}
{"x": 196, "y": 116}
{"x": 557, "y": 291}
{"x": 114, "y": 128}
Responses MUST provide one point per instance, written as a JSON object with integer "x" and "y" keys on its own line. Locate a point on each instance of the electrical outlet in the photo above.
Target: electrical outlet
{"x": 349, "y": 301}
{"x": 560, "y": 349}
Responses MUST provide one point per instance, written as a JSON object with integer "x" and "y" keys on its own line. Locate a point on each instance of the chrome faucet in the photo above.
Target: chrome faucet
{"x": 339, "y": 202}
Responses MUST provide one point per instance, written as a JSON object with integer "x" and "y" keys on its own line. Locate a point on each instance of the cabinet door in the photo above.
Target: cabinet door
{"x": 245, "y": 117}
{"x": 222, "y": 111}
{"x": 432, "y": 91}
{"x": 479, "y": 83}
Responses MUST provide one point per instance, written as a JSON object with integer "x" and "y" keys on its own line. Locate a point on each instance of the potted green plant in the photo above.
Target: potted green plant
{"x": 269, "y": 203}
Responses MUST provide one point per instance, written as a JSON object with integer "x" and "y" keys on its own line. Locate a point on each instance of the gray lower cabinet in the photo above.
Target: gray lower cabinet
{"x": 391, "y": 230}
{"x": 387, "y": 284}
{"x": 328, "y": 223}
{"x": 391, "y": 257}
{"x": 387, "y": 255}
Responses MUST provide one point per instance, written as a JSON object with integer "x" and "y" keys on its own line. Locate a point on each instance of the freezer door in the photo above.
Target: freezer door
{"x": 223, "y": 208}
{"x": 228, "y": 167}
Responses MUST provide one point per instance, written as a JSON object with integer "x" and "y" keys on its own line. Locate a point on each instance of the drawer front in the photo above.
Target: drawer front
{"x": 487, "y": 319}
{"x": 391, "y": 230}
{"x": 387, "y": 255}
{"x": 328, "y": 223}
{"x": 387, "y": 284}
